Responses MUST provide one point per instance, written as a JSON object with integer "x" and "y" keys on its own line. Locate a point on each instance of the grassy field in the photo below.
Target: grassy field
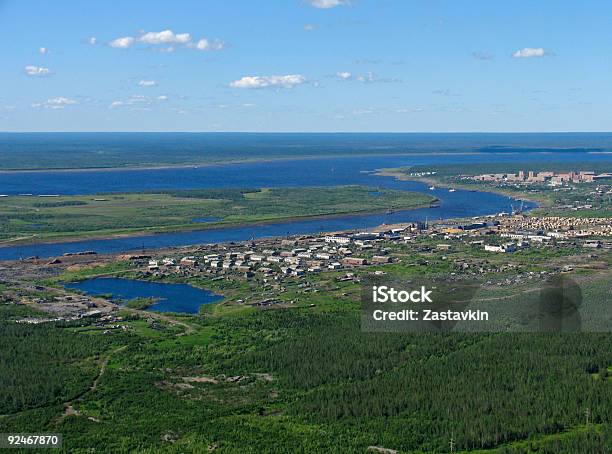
{"x": 41, "y": 218}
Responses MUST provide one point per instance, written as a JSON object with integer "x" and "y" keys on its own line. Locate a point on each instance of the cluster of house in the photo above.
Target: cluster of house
{"x": 560, "y": 227}
{"x": 297, "y": 256}
{"x": 275, "y": 258}
{"x": 552, "y": 178}
{"x": 522, "y": 231}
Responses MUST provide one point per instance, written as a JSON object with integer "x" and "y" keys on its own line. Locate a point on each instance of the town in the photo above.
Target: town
{"x": 297, "y": 256}
{"x": 272, "y": 263}
{"x": 550, "y": 178}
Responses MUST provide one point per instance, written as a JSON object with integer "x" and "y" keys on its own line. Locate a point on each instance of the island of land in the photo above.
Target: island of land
{"x": 50, "y": 217}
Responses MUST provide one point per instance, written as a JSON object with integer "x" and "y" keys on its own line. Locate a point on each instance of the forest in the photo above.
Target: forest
{"x": 272, "y": 380}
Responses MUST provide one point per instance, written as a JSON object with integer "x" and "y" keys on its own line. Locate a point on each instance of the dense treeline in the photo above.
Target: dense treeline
{"x": 42, "y": 365}
{"x": 63, "y": 203}
{"x": 326, "y": 386}
{"x": 234, "y": 194}
{"x": 486, "y": 389}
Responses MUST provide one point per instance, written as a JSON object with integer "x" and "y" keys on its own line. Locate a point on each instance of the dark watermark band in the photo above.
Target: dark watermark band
{"x": 30, "y": 440}
{"x": 452, "y": 304}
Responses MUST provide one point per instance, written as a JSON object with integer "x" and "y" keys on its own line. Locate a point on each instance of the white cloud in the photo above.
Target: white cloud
{"x": 325, "y": 4}
{"x": 363, "y": 111}
{"x": 167, "y": 40}
{"x": 286, "y": 81}
{"x": 138, "y": 99}
{"x": 445, "y": 92}
{"x": 529, "y": 52}
{"x": 403, "y": 110}
{"x": 55, "y": 103}
{"x": 165, "y": 37}
{"x": 367, "y": 77}
{"x": 147, "y": 83}
{"x": 138, "y": 102}
{"x": 39, "y": 71}
{"x": 309, "y": 27}
{"x": 92, "y": 40}
{"x": 43, "y": 50}
{"x": 205, "y": 44}
{"x": 122, "y": 43}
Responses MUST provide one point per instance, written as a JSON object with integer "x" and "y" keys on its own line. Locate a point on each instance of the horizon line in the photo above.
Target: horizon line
{"x": 305, "y": 132}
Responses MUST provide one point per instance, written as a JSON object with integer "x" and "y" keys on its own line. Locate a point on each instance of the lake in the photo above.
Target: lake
{"x": 181, "y": 298}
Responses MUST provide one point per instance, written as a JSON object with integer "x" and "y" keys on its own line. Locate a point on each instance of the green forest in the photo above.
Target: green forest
{"x": 277, "y": 380}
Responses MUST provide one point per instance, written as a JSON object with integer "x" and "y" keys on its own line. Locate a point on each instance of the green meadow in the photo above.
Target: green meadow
{"x": 47, "y": 218}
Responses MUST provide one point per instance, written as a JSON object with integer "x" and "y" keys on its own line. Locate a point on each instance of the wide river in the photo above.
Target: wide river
{"x": 288, "y": 173}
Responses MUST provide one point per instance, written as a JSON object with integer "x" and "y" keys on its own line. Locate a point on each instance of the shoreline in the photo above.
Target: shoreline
{"x": 541, "y": 202}
{"x": 19, "y": 242}
{"x": 227, "y": 162}
{"x": 221, "y": 162}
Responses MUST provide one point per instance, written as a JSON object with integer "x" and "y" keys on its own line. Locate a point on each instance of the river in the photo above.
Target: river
{"x": 284, "y": 173}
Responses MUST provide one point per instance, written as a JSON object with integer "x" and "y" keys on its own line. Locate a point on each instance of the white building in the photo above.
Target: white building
{"x": 337, "y": 239}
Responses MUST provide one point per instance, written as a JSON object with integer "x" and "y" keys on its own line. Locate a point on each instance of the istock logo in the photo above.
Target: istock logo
{"x": 384, "y": 294}
{"x": 419, "y": 305}
{"x": 456, "y": 304}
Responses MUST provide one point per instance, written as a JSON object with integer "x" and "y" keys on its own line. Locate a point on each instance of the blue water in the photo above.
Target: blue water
{"x": 53, "y": 150}
{"x": 180, "y": 298}
{"x": 452, "y": 205}
{"x": 287, "y": 173}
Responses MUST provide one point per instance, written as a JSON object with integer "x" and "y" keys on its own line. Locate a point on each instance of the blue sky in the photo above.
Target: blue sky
{"x": 305, "y": 65}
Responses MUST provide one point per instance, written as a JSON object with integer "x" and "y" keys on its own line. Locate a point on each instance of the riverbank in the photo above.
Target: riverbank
{"x": 398, "y": 174}
{"x": 97, "y": 217}
{"x": 192, "y": 228}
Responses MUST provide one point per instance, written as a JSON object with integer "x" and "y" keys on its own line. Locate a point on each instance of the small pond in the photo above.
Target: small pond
{"x": 181, "y": 298}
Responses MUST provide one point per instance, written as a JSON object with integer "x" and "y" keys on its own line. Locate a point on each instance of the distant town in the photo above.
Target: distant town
{"x": 551, "y": 178}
